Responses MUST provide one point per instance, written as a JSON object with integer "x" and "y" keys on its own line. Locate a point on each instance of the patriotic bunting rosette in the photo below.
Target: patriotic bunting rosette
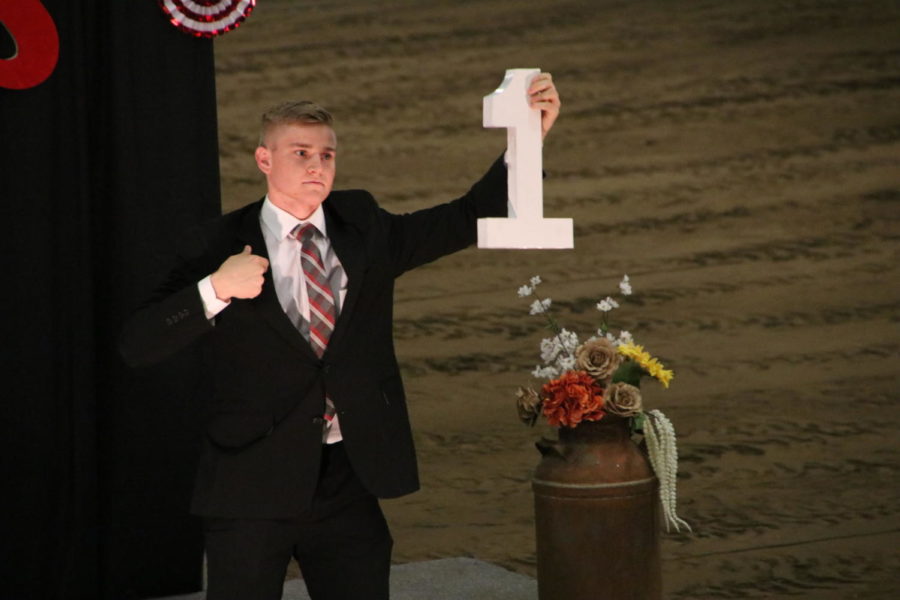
{"x": 206, "y": 18}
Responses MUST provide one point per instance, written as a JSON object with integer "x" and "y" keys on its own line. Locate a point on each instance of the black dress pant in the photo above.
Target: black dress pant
{"x": 342, "y": 544}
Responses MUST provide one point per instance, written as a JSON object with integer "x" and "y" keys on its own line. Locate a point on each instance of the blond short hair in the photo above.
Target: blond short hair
{"x": 295, "y": 112}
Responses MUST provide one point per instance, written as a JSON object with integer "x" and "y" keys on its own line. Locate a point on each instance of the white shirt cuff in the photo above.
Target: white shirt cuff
{"x": 211, "y": 304}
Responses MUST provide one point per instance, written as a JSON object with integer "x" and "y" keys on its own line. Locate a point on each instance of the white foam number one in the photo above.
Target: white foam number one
{"x": 525, "y": 225}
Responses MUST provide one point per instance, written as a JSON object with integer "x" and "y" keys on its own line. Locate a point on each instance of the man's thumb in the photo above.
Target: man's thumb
{"x": 247, "y": 249}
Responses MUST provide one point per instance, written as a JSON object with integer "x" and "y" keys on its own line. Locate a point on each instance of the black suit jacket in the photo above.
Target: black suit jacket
{"x": 261, "y": 451}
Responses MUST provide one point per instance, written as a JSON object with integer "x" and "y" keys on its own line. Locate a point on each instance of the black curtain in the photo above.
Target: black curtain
{"x": 102, "y": 166}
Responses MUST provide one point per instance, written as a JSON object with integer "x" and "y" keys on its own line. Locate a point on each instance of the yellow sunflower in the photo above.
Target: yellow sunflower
{"x": 647, "y": 362}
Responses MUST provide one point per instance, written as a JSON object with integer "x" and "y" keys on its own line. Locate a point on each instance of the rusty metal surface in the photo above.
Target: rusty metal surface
{"x": 596, "y": 516}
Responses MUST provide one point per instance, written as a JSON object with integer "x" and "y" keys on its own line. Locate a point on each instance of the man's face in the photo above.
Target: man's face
{"x": 299, "y": 163}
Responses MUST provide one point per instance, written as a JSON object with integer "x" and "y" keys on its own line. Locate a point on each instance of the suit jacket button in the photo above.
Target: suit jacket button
{"x": 318, "y": 420}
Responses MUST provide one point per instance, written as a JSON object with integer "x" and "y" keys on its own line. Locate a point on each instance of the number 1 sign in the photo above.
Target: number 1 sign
{"x": 525, "y": 227}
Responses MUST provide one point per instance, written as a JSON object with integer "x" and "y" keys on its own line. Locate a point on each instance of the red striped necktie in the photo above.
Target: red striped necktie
{"x": 318, "y": 292}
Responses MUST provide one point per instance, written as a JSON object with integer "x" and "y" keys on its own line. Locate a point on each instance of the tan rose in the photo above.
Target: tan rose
{"x": 623, "y": 399}
{"x": 599, "y": 358}
{"x": 528, "y": 404}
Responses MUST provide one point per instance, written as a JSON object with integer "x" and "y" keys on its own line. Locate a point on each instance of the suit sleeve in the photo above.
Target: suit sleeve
{"x": 173, "y": 316}
{"x": 420, "y": 237}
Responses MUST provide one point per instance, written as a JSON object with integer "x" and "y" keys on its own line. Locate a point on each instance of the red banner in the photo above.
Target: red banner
{"x": 37, "y": 44}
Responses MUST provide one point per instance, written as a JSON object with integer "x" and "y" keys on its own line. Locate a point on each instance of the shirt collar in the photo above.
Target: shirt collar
{"x": 281, "y": 223}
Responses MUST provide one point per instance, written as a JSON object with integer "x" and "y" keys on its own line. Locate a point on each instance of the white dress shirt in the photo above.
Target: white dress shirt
{"x": 287, "y": 273}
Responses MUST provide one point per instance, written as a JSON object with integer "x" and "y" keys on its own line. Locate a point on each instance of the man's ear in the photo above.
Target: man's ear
{"x": 263, "y": 159}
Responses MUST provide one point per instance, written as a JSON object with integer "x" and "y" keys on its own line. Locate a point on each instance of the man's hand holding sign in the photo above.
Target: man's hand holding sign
{"x": 526, "y": 104}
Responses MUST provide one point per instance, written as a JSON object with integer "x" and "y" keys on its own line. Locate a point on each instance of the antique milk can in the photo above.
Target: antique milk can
{"x": 596, "y": 516}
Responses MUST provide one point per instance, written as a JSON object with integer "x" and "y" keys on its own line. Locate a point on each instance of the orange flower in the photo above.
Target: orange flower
{"x": 571, "y": 399}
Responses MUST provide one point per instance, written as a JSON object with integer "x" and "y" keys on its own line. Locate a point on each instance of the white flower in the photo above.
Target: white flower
{"x": 625, "y": 286}
{"x": 566, "y": 363}
{"x": 623, "y": 338}
{"x": 607, "y": 305}
{"x": 540, "y": 306}
{"x": 569, "y": 340}
{"x": 525, "y": 291}
{"x": 544, "y": 372}
{"x": 550, "y": 349}
{"x": 535, "y": 280}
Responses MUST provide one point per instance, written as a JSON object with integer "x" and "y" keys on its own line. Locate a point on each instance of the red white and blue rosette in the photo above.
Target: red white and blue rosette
{"x": 207, "y": 18}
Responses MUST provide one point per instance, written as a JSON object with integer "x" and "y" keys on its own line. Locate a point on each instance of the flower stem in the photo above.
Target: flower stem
{"x": 554, "y": 326}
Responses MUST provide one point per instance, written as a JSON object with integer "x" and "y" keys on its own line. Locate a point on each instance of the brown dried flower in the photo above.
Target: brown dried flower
{"x": 623, "y": 399}
{"x": 528, "y": 404}
{"x": 599, "y": 358}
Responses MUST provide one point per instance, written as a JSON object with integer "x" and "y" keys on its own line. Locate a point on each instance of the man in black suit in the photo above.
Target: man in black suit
{"x": 291, "y": 299}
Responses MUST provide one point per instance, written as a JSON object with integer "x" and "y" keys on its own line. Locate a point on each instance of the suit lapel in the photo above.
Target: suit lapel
{"x": 266, "y": 304}
{"x": 348, "y": 245}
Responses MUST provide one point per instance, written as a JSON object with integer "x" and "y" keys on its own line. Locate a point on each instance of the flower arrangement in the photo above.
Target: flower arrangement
{"x": 598, "y": 377}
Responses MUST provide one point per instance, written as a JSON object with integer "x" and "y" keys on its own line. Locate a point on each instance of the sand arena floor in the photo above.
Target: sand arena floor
{"x": 739, "y": 160}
